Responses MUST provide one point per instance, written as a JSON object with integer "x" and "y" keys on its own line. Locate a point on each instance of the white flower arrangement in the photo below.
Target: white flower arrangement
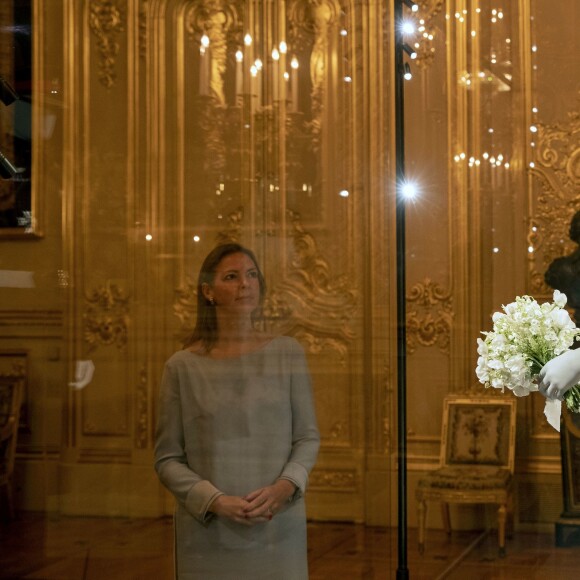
{"x": 524, "y": 338}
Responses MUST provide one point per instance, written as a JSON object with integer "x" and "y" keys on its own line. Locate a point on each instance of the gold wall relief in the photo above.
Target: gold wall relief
{"x": 337, "y": 480}
{"x": 216, "y": 19}
{"x": 143, "y": 30}
{"x": 106, "y": 318}
{"x": 429, "y": 316}
{"x": 233, "y": 231}
{"x": 184, "y": 306}
{"x": 338, "y": 430}
{"x": 424, "y": 46}
{"x": 106, "y": 20}
{"x": 310, "y": 301}
{"x": 214, "y": 30}
{"x": 142, "y": 410}
{"x": 311, "y": 25}
{"x": 557, "y": 169}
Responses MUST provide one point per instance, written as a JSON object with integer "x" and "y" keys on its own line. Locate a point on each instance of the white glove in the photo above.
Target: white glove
{"x": 560, "y": 374}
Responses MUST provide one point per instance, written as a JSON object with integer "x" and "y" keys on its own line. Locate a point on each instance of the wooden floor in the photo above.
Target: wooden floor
{"x": 64, "y": 548}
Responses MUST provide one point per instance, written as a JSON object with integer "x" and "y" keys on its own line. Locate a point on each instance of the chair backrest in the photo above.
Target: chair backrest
{"x": 10, "y": 399}
{"x": 479, "y": 431}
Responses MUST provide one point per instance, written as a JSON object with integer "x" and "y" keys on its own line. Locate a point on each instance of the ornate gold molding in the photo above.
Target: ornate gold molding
{"x": 430, "y": 321}
{"x": 310, "y": 302}
{"x": 143, "y": 32}
{"x": 312, "y": 23}
{"x": 233, "y": 232}
{"x": 220, "y": 21}
{"x": 337, "y": 480}
{"x": 106, "y": 22}
{"x": 184, "y": 306}
{"x": 106, "y": 318}
{"x": 557, "y": 169}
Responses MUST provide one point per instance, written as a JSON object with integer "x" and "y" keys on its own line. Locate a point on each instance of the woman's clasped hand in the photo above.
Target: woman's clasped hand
{"x": 257, "y": 507}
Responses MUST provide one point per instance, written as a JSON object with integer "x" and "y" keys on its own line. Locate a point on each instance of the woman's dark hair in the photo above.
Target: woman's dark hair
{"x": 206, "y": 323}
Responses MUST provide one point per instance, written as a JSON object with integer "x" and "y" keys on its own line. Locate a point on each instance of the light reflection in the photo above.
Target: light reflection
{"x": 409, "y": 190}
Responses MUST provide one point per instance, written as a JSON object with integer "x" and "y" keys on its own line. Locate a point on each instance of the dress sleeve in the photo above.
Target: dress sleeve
{"x": 305, "y": 436}
{"x": 190, "y": 490}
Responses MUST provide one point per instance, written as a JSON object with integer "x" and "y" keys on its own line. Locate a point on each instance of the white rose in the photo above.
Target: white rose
{"x": 497, "y": 316}
{"x": 560, "y": 298}
{"x": 497, "y": 383}
{"x": 495, "y": 364}
{"x": 561, "y": 318}
{"x": 482, "y": 373}
{"x": 520, "y": 390}
{"x": 482, "y": 347}
{"x": 516, "y": 365}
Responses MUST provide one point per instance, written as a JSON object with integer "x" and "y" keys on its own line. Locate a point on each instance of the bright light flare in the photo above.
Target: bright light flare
{"x": 408, "y": 27}
{"x": 409, "y": 190}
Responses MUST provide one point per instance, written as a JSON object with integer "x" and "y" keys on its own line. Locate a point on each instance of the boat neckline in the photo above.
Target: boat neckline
{"x": 237, "y": 357}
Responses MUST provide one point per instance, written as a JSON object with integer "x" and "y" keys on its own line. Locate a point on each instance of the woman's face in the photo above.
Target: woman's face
{"x": 236, "y": 286}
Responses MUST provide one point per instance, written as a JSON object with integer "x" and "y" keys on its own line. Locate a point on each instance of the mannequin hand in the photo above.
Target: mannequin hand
{"x": 233, "y": 508}
{"x": 267, "y": 501}
{"x": 560, "y": 374}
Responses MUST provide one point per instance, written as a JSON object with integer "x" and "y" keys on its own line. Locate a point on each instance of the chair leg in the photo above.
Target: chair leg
{"x": 422, "y": 516}
{"x": 6, "y": 500}
{"x": 446, "y": 518}
{"x": 510, "y": 517}
{"x": 501, "y": 519}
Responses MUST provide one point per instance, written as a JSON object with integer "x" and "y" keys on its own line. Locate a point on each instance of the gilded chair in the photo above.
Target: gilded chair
{"x": 476, "y": 462}
{"x": 10, "y": 398}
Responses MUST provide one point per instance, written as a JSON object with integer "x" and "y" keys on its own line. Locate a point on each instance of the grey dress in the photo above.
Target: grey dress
{"x": 231, "y": 426}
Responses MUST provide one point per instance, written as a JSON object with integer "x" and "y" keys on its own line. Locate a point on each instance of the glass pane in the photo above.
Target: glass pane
{"x": 149, "y": 133}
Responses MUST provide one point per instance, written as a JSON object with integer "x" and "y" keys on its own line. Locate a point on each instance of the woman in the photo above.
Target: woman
{"x": 237, "y": 434}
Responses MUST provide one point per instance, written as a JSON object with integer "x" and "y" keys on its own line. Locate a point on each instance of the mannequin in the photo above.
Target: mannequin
{"x": 563, "y": 372}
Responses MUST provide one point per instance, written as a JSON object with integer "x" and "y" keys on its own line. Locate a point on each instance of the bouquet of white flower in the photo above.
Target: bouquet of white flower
{"x": 524, "y": 338}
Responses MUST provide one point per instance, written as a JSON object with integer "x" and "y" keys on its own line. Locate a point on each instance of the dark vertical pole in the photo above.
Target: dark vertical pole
{"x": 402, "y": 570}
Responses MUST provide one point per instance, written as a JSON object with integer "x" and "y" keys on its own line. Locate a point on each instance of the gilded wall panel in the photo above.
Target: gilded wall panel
{"x": 253, "y": 152}
{"x": 100, "y": 210}
{"x": 169, "y": 149}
